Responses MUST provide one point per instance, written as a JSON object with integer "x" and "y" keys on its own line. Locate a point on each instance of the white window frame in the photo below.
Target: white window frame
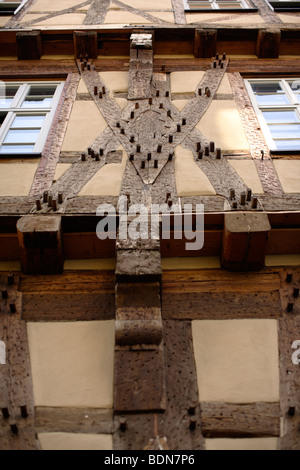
{"x": 15, "y": 109}
{"x": 215, "y": 5}
{"x": 14, "y": 6}
{"x": 294, "y": 105}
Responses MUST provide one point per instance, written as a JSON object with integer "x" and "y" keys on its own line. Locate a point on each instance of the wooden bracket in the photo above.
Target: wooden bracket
{"x": 268, "y": 44}
{"x": 245, "y": 238}
{"x": 40, "y": 243}
{"x": 86, "y": 44}
{"x": 205, "y": 42}
{"x": 29, "y": 45}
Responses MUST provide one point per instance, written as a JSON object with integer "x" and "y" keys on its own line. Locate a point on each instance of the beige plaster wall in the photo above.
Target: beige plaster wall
{"x": 289, "y": 18}
{"x": 226, "y": 18}
{"x": 288, "y": 172}
{"x": 222, "y": 124}
{"x": 253, "y": 443}
{"x": 246, "y": 169}
{"x": 71, "y": 441}
{"x": 153, "y": 5}
{"x": 107, "y": 181}
{"x": 72, "y": 363}
{"x": 225, "y": 87}
{"x": 236, "y": 360}
{"x": 54, "y": 5}
{"x": 190, "y": 179}
{"x": 180, "y": 104}
{"x": 115, "y": 81}
{"x": 124, "y": 17}
{"x": 59, "y": 20}
{"x": 16, "y": 178}
{"x": 85, "y": 124}
{"x": 61, "y": 168}
{"x": 185, "y": 82}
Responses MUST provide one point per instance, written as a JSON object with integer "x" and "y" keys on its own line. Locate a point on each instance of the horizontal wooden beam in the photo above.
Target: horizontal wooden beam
{"x": 234, "y": 420}
{"x": 73, "y": 420}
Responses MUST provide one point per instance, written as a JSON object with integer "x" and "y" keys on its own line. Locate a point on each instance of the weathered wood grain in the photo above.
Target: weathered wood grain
{"x": 234, "y": 420}
{"x": 74, "y": 420}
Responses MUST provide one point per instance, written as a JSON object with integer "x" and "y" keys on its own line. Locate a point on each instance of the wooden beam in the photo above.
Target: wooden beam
{"x": 139, "y": 381}
{"x": 218, "y": 294}
{"x": 86, "y": 44}
{"x": 205, "y": 42}
{"x": 245, "y": 239}
{"x": 40, "y": 243}
{"x": 29, "y": 45}
{"x": 78, "y": 295}
{"x": 234, "y": 420}
{"x": 268, "y": 44}
{"x": 74, "y": 420}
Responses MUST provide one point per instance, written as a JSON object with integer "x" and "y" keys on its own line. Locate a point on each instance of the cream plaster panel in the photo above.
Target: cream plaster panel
{"x": 206, "y": 262}
{"x": 190, "y": 179}
{"x": 4, "y": 20}
{"x": 85, "y": 124}
{"x": 72, "y": 363}
{"x": 282, "y": 260}
{"x": 225, "y": 87}
{"x": 16, "y": 178}
{"x": 289, "y": 18}
{"x": 54, "y": 5}
{"x": 288, "y": 172}
{"x": 247, "y": 19}
{"x": 163, "y": 15}
{"x": 116, "y": 81}
{"x": 246, "y": 169}
{"x": 185, "y": 82}
{"x": 60, "y": 20}
{"x": 82, "y": 87}
{"x": 103, "y": 264}
{"x": 70, "y": 441}
{"x": 154, "y": 4}
{"x": 124, "y": 17}
{"x": 107, "y": 181}
{"x": 221, "y": 18}
{"x": 180, "y": 104}
{"x": 61, "y": 168}
{"x": 10, "y": 266}
{"x": 253, "y": 443}
{"x": 237, "y": 360}
{"x": 222, "y": 124}
{"x": 121, "y": 102}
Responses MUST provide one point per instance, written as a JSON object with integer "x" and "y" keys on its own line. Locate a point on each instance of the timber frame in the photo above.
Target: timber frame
{"x": 153, "y": 307}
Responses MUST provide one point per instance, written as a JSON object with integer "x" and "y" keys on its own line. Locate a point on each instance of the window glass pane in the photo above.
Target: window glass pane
{"x": 288, "y": 144}
{"x": 285, "y": 131}
{"x": 16, "y": 149}
{"x": 42, "y": 90}
{"x": 22, "y": 136}
{"x": 37, "y": 102}
{"x": 7, "y": 94}
{"x": 269, "y": 93}
{"x": 266, "y": 87}
{"x": 28, "y": 121}
{"x": 265, "y": 100}
{"x": 280, "y": 116}
{"x": 223, "y": 6}
{"x": 295, "y": 85}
